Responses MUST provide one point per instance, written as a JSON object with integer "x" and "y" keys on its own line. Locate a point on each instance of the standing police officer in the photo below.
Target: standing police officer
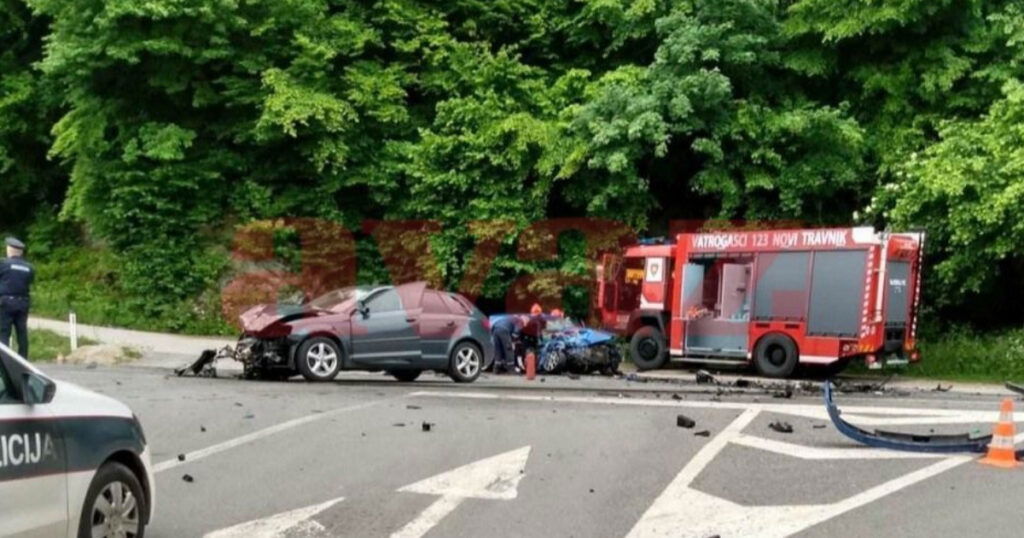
{"x": 16, "y": 276}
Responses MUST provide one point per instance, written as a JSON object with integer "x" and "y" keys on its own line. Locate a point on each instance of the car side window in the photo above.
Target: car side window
{"x": 385, "y": 301}
{"x": 455, "y": 305}
{"x": 6, "y": 396}
{"x": 433, "y": 304}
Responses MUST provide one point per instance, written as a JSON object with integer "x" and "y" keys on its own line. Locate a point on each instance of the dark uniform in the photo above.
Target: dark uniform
{"x": 502, "y": 332}
{"x": 16, "y": 276}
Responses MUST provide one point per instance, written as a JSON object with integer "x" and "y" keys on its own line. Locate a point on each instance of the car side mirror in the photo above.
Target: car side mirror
{"x": 363, "y": 309}
{"x": 36, "y": 389}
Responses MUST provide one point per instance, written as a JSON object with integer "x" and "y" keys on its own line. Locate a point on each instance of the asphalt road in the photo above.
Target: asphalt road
{"x": 584, "y": 458}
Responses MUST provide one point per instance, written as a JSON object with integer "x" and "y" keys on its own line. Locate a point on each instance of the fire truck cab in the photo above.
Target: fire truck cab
{"x": 775, "y": 299}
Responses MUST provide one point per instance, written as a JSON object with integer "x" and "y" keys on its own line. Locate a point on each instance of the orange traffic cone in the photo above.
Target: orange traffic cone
{"x": 1000, "y": 450}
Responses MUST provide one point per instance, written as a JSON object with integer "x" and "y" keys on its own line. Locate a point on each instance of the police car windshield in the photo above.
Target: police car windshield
{"x": 333, "y": 299}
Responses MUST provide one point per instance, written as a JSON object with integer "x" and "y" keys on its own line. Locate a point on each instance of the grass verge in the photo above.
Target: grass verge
{"x": 47, "y": 345}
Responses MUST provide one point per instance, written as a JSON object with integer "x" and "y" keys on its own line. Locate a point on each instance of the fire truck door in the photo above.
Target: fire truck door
{"x": 653, "y": 293}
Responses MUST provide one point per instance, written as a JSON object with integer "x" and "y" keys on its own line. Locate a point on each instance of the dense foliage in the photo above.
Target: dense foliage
{"x": 170, "y": 124}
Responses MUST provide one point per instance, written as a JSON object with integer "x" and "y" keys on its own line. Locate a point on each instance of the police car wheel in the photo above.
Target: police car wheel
{"x": 114, "y": 505}
{"x": 319, "y": 359}
{"x": 466, "y": 363}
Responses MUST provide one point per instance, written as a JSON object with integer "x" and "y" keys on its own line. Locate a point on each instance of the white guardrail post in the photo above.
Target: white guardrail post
{"x": 73, "y": 330}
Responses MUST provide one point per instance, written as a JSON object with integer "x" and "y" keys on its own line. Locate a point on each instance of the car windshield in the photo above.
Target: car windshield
{"x": 333, "y": 299}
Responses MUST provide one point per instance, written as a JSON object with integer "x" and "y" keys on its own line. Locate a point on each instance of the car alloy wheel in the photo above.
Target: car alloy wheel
{"x": 467, "y": 362}
{"x": 115, "y": 513}
{"x": 321, "y": 359}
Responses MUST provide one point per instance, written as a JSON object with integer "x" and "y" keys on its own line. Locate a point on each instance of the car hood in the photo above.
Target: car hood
{"x": 72, "y": 400}
{"x": 585, "y": 337}
{"x": 260, "y": 317}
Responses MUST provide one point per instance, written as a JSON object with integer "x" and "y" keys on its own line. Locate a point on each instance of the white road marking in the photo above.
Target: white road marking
{"x": 496, "y": 477}
{"x": 276, "y": 526}
{"x": 260, "y": 434}
{"x": 818, "y": 453}
{"x": 858, "y": 414}
{"x": 683, "y": 511}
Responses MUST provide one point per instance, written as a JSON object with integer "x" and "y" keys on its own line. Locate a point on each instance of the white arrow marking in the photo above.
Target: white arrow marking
{"x": 496, "y": 477}
{"x": 276, "y": 526}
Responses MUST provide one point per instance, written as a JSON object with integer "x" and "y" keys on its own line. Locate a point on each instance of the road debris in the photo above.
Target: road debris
{"x": 702, "y": 433}
{"x": 1019, "y": 389}
{"x": 786, "y": 392}
{"x": 741, "y": 383}
{"x": 188, "y": 478}
{"x": 910, "y": 442}
{"x": 205, "y": 365}
{"x": 399, "y": 424}
{"x": 427, "y": 426}
{"x": 781, "y": 426}
{"x": 940, "y": 388}
{"x": 413, "y": 407}
{"x": 676, "y": 396}
{"x": 684, "y": 421}
{"x": 181, "y": 457}
{"x": 703, "y": 376}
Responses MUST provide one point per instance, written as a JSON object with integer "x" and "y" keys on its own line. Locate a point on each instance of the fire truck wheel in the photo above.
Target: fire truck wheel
{"x": 647, "y": 348}
{"x": 776, "y": 356}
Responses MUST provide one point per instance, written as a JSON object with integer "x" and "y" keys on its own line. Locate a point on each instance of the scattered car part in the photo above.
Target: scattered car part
{"x": 684, "y": 421}
{"x": 703, "y": 376}
{"x": 781, "y": 427}
{"x": 1019, "y": 389}
{"x": 703, "y": 433}
{"x": 206, "y": 364}
{"x": 942, "y": 443}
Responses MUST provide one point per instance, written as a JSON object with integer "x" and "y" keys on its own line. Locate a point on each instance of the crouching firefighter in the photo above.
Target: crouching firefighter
{"x": 504, "y": 330}
{"x": 16, "y": 276}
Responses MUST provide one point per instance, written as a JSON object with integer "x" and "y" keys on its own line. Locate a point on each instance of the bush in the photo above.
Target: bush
{"x": 972, "y": 356}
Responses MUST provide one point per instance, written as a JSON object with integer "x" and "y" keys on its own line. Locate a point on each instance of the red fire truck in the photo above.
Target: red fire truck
{"x": 774, "y": 298}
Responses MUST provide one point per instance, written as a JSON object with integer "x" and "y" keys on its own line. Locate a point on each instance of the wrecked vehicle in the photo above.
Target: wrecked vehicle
{"x": 402, "y": 330}
{"x": 568, "y": 346}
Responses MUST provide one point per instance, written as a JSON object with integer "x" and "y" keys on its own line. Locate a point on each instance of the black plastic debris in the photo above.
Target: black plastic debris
{"x": 702, "y": 433}
{"x": 202, "y": 429}
{"x": 819, "y": 426}
{"x": 572, "y": 376}
{"x": 204, "y": 366}
{"x": 249, "y": 415}
{"x": 188, "y": 478}
{"x": 781, "y": 427}
{"x": 238, "y": 404}
{"x": 940, "y": 388}
{"x": 684, "y": 421}
{"x": 413, "y": 407}
{"x": 1019, "y": 389}
{"x": 427, "y": 426}
{"x": 676, "y": 397}
{"x": 181, "y": 457}
{"x": 786, "y": 392}
{"x": 703, "y": 376}
{"x": 741, "y": 383}
{"x": 399, "y": 424}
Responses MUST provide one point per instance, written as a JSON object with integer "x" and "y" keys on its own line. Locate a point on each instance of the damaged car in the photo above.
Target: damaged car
{"x": 403, "y": 330}
{"x": 567, "y": 345}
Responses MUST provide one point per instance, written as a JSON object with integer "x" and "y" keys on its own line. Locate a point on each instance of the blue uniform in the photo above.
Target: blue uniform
{"x": 502, "y": 332}
{"x": 16, "y": 277}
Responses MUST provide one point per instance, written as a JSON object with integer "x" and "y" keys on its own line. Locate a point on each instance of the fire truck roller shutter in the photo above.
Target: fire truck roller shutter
{"x": 837, "y": 293}
{"x": 897, "y": 303}
{"x": 781, "y": 286}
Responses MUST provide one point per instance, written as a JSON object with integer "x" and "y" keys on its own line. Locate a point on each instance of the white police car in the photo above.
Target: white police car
{"x": 73, "y": 463}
